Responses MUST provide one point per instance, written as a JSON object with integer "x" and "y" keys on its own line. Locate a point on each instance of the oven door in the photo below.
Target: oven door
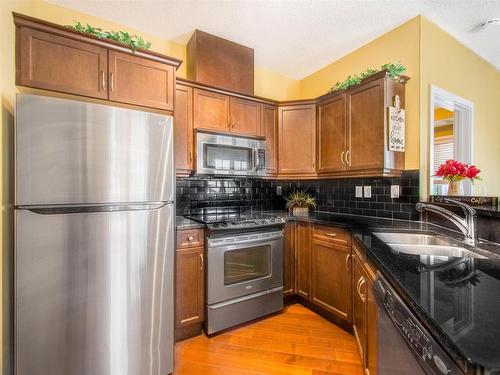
{"x": 228, "y": 155}
{"x": 244, "y": 264}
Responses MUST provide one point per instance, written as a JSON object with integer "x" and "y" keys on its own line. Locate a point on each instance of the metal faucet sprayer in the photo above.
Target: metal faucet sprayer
{"x": 466, "y": 225}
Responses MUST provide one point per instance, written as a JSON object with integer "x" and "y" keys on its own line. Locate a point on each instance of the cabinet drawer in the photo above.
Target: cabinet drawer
{"x": 189, "y": 238}
{"x": 332, "y": 234}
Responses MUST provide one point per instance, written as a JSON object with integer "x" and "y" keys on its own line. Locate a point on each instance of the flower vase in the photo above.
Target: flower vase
{"x": 455, "y": 188}
{"x": 300, "y": 211}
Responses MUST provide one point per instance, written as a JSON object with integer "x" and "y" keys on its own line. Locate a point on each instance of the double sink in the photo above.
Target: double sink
{"x": 424, "y": 244}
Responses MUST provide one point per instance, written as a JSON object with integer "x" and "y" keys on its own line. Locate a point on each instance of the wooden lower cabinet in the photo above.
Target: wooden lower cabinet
{"x": 289, "y": 260}
{"x": 331, "y": 278}
{"x": 371, "y": 328}
{"x": 365, "y": 310}
{"x": 359, "y": 306}
{"x": 303, "y": 259}
{"x": 189, "y": 288}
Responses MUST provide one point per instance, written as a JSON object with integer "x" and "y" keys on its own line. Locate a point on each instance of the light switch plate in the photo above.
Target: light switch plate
{"x": 359, "y": 191}
{"x": 279, "y": 190}
{"x": 394, "y": 191}
{"x": 368, "y": 191}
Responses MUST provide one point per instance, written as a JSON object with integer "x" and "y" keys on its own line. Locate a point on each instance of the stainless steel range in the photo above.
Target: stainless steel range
{"x": 244, "y": 268}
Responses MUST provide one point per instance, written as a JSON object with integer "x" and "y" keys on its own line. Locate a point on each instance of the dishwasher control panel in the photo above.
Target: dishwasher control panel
{"x": 432, "y": 358}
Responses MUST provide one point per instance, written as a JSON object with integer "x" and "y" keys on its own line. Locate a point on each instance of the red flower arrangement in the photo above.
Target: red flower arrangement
{"x": 453, "y": 170}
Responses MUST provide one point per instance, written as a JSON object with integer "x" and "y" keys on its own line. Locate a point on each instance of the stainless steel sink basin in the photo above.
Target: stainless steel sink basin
{"x": 411, "y": 239}
{"x": 424, "y": 244}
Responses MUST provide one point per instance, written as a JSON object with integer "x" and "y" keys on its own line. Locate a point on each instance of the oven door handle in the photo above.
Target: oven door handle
{"x": 215, "y": 244}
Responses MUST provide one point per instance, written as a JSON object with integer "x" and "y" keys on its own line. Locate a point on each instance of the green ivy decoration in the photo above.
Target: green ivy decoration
{"x": 133, "y": 41}
{"x": 393, "y": 71}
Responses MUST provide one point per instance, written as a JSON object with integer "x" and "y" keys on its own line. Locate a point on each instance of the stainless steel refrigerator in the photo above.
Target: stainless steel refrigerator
{"x": 94, "y": 239}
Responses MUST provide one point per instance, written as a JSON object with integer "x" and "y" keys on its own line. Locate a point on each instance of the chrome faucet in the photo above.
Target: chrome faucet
{"x": 467, "y": 225}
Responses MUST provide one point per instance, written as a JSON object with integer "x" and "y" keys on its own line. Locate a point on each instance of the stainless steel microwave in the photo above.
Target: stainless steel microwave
{"x": 218, "y": 154}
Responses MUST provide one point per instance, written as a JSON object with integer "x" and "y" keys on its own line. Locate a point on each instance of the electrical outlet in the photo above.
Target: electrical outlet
{"x": 279, "y": 190}
{"x": 368, "y": 191}
{"x": 359, "y": 191}
{"x": 394, "y": 191}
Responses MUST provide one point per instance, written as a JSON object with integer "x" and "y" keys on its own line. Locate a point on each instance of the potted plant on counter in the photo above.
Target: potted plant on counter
{"x": 455, "y": 172}
{"x": 299, "y": 202}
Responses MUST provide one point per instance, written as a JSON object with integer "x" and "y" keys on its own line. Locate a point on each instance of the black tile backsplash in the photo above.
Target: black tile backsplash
{"x": 197, "y": 195}
{"x": 339, "y": 195}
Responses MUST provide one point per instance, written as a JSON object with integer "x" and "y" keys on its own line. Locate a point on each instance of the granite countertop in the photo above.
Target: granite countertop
{"x": 183, "y": 223}
{"x": 462, "y": 315}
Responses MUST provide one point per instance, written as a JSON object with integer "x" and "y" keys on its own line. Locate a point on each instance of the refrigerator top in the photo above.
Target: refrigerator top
{"x": 69, "y": 152}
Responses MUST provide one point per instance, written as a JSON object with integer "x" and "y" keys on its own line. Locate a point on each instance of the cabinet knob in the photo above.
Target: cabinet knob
{"x": 190, "y": 238}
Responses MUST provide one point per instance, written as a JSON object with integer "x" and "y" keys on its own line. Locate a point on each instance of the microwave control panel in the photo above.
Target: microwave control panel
{"x": 262, "y": 158}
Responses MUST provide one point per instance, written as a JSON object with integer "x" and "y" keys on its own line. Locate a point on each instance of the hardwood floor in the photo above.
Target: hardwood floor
{"x": 296, "y": 342}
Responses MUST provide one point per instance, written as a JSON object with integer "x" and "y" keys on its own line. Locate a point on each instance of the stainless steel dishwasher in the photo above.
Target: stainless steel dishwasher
{"x": 404, "y": 345}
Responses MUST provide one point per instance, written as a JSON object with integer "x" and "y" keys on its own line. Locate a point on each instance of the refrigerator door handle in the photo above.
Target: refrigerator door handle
{"x": 73, "y": 209}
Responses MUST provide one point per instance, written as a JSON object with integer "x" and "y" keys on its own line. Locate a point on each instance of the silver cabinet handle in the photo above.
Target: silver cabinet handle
{"x": 190, "y": 238}
{"x": 347, "y": 261}
{"x": 201, "y": 261}
{"x": 103, "y": 80}
{"x": 342, "y": 158}
{"x": 112, "y": 81}
{"x": 347, "y": 160}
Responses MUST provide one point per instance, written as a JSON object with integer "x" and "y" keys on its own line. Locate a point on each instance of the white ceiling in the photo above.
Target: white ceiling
{"x": 298, "y": 37}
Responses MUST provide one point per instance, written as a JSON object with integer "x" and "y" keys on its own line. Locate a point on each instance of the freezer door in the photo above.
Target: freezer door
{"x": 94, "y": 293}
{"x": 73, "y": 152}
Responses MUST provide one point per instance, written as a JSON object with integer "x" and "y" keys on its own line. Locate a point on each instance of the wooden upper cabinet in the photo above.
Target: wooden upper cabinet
{"x": 270, "y": 131}
{"x": 211, "y": 110}
{"x": 57, "y": 58}
{"x": 138, "y": 81}
{"x": 183, "y": 129}
{"x": 332, "y": 134}
{"x": 331, "y": 278}
{"x": 297, "y": 140}
{"x": 51, "y": 62}
{"x": 303, "y": 259}
{"x": 246, "y": 116}
{"x": 366, "y": 126}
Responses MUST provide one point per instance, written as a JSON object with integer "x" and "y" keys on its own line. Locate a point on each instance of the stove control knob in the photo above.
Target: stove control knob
{"x": 224, "y": 224}
{"x": 216, "y": 225}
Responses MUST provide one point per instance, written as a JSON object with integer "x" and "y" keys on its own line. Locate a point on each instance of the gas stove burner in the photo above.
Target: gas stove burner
{"x": 238, "y": 221}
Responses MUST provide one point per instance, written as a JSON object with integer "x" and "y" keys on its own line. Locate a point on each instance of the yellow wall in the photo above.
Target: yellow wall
{"x": 400, "y": 44}
{"x": 451, "y": 66}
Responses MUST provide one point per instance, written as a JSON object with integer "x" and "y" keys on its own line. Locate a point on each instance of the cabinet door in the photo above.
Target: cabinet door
{"x": 303, "y": 259}
{"x": 189, "y": 304}
{"x": 246, "y": 116}
{"x": 332, "y": 135}
{"x": 51, "y": 62}
{"x": 289, "y": 260}
{"x": 371, "y": 329}
{"x": 211, "y": 110}
{"x": 138, "y": 81}
{"x": 270, "y": 131}
{"x": 183, "y": 129}
{"x": 331, "y": 278}
{"x": 297, "y": 140}
{"x": 366, "y": 126}
{"x": 359, "y": 316}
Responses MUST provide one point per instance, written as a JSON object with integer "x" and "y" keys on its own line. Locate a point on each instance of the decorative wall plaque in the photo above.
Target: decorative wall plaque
{"x": 396, "y": 116}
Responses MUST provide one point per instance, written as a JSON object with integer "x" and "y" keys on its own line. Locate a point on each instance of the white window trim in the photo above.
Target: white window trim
{"x": 463, "y": 110}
